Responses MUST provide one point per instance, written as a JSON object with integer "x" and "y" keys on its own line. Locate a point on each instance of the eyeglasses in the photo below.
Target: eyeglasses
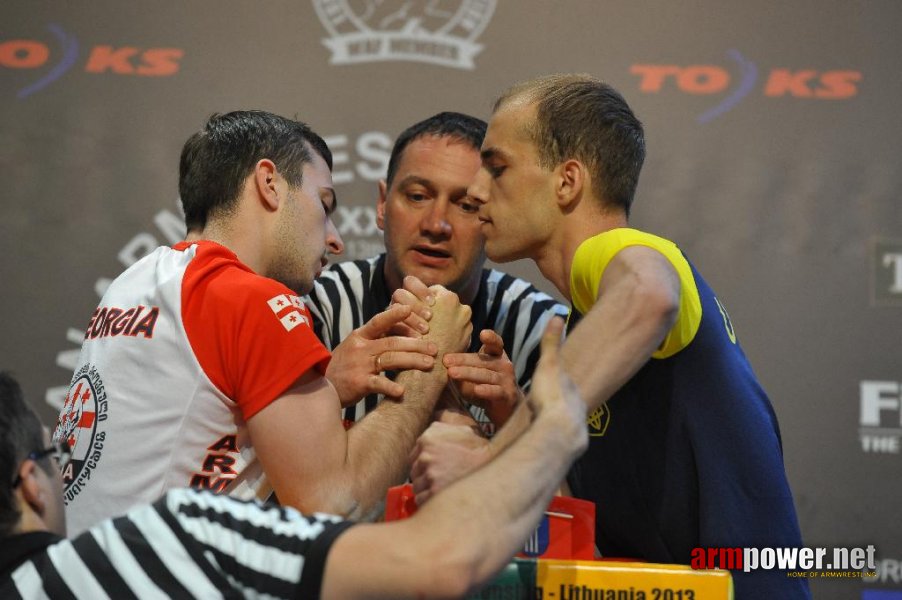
{"x": 60, "y": 451}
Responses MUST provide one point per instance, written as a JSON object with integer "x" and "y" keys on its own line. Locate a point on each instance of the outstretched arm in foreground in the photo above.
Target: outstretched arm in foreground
{"x": 464, "y": 535}
{"x": 638, "y": 302}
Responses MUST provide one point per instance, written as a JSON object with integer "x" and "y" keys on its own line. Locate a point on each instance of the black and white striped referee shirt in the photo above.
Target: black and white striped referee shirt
{"x": 188, "y": 544}
{"x": 348, "y": 294}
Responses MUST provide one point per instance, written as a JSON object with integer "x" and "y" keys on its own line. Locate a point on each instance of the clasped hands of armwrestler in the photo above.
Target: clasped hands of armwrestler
{"x": 485, "y": 378}
{"x": 407, "y": 335}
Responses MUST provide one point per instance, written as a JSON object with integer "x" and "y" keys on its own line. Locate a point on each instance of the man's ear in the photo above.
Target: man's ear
{"x": 380, "y": 204}
{"x": 32, "y": 491}
{"x": 570, "y": 184}
{"x": 265, "y": 174}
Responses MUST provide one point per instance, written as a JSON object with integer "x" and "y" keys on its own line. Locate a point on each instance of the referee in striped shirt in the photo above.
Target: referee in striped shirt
{"x": 194, "y": 544}
{"x": 431, "y": 231}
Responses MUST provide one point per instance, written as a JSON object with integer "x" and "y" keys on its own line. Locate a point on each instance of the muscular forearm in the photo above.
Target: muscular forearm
{"x": 325, "y": 468}
{"x": 379, "y": 445}
{"x": 611, "y": 343}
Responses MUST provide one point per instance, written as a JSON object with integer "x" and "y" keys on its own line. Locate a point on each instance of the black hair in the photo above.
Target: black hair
{"x": 20, "y": 434}
{"x": 216, "y": 160}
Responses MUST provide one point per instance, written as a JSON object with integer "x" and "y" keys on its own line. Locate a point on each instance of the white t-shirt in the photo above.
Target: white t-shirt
{"x": 185, "y": 347}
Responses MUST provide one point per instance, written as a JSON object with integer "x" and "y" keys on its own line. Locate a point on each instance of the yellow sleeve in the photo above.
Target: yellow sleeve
{"x": 592, "y": 258}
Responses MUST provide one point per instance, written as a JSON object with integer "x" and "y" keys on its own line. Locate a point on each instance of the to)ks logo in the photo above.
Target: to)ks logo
{"x": 808, "y": 84}
{"x": 441, "y": 32}
{"x": 50, "y": 61}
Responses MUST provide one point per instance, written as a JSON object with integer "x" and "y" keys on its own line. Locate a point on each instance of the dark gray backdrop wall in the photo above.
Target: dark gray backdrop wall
{"x": 774, "y": 145}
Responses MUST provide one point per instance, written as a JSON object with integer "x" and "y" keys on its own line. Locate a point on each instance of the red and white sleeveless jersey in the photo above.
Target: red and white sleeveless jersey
{"x": 185, "y": 347}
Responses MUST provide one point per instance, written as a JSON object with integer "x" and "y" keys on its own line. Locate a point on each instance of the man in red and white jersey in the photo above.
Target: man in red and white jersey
{"x": 200, "y": 366}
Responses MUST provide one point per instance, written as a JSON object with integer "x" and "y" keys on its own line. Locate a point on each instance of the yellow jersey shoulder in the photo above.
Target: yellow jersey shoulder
{"x": 592, "y": 258}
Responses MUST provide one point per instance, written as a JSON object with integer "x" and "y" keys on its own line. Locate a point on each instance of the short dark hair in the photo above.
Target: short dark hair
{"x": 579, "y": 116}
{"x": 216, "y": 160}
{"x": 20, "y": 434}
{"x": 445, "y": 124}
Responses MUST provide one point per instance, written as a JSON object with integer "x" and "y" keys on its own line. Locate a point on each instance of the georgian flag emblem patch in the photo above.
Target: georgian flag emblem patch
{"x": 286, "y": 308}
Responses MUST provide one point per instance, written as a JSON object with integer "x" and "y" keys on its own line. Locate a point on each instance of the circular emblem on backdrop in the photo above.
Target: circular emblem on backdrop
{"x": 79, "y": 425}
{"x": 440, "y": 32}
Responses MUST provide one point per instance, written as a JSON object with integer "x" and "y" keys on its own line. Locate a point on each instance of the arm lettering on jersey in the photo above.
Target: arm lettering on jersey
{"x": 216, "y": 472}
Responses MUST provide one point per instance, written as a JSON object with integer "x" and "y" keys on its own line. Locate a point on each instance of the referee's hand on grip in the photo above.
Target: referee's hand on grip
{"x": 486, "y": 378}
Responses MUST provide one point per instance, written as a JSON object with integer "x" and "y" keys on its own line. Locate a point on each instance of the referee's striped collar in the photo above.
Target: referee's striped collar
{"x": 16, "y": 549}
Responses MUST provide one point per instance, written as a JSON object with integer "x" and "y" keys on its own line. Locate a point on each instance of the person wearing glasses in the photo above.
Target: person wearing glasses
{"x": 193, "y": 543}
